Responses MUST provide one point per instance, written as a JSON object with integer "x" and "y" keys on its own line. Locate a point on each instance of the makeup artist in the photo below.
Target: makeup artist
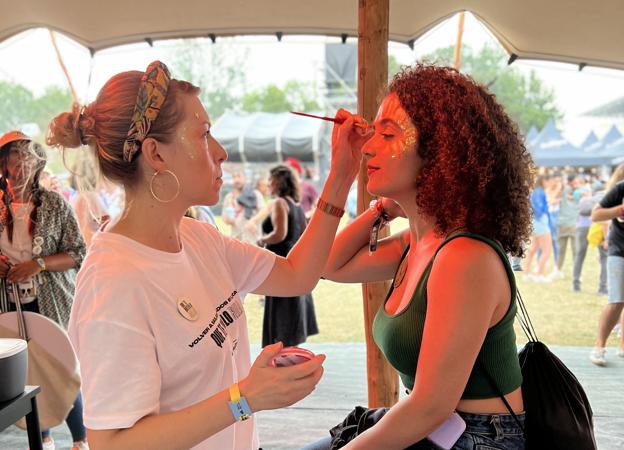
{"x": 157, "y": 322}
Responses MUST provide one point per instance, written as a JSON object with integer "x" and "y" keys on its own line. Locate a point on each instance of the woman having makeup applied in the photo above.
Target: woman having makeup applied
{"x": 445, "y": 155}
{"x": 157, "y": 321}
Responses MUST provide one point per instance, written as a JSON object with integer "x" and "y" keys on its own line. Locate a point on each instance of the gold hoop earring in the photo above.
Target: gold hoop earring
{"x": 151, "y": 186}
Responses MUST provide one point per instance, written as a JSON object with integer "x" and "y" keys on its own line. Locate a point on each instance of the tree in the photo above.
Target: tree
{"x": 54, "y": 101}
{"x": 19, "y": 106}
{"x": 526, "y": 98}
{"x": 15, "y": 106}
{"x": 295, "y": 96}
{"x": 219, "y": 70}
{"x": 393, "y": 66}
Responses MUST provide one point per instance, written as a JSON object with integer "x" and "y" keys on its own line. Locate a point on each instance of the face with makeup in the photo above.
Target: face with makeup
{"x": 391, "y": 153}
{"x": 194, "y": 156}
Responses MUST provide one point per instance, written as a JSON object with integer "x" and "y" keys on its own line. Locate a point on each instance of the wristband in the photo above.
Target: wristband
{"x": 330, "y": 209}
{"x": 380, "y": 221}
{"x": 41, "y": 263}
{"x": 238, "y": 405}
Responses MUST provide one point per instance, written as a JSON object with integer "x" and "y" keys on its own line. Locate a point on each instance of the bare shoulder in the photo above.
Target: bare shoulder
{"x": 468, "y": 255}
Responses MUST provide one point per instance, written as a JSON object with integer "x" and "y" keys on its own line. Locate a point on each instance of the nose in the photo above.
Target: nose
{"x": 220, "y": 153}
{"x": 368, "y": 149}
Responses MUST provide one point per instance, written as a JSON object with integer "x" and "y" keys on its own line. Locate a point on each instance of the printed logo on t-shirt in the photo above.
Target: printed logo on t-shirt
{"x": 225, "y": 315}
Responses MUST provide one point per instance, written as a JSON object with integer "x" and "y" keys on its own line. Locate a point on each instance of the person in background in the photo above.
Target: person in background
{"x": 289, "y": 320}
{"x": 40, "y": 246}
{"x": 553, "y": 189}
{"x": 262, "y": 186}
{"x": 202, "y": 213}
{"x": 309, "y": 194}
{"x": 51, "y": 182}
{"x": 541, "y": 238}
{"x": 157, "y": 323}
{"x": 87, "y": 199}
{"x": 582, "y": 193}
{"x": 611, "y": 207}
{"x": 566, "y": 224}
{"x": 240, "y": 205}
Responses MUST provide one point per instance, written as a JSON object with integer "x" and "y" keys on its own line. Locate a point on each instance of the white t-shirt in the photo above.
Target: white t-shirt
{"x": 138, "y": 354}
{"x": 20, "y": 248}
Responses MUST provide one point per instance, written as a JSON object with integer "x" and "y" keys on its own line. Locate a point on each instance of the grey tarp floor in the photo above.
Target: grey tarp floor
{"x": 344, "y": 385}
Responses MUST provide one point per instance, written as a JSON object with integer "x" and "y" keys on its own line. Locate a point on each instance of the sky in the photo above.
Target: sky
{"x": 29, "y": 59}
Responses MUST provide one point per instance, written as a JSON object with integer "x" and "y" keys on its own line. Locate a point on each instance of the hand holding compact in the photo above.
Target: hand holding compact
{"x": 268, "y": 387}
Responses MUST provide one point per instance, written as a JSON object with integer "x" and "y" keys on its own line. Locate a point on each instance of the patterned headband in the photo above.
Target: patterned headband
{"x": 151, "y": 96}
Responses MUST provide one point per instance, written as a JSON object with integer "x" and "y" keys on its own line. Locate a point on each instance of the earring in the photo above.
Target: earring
{"x": 151, "y": 186}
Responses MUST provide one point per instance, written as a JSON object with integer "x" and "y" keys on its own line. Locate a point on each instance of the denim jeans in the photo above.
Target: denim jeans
{"x": 579, "y": 258}
{"x": 483, "y": 432}
{"x": 74, "y": 422}
{"x": 491, "y": 432}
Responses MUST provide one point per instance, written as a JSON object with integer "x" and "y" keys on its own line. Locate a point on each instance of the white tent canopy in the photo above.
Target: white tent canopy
{"x": 272, "y": 137}
{"x": 575, "y": 31}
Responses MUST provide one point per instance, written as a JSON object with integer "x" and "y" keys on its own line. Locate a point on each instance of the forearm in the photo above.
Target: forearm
{"x": 181, "y": 429}
{"x": 271, "y": 238}
{"x": 308, "y": 257}
{"x": 600, "y": 214}
{"x": 59, "y": 262}
{"x": 350, "y": 241}
{"x": 404, "y": 424}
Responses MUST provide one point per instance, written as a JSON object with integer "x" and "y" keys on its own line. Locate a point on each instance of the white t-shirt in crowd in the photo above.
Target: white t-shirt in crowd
{"x": 138, "y": 354}
{"x": 20, "y": 248}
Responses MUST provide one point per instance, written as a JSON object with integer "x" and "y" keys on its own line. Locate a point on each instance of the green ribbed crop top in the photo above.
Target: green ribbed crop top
{"x": 399, "y": 336}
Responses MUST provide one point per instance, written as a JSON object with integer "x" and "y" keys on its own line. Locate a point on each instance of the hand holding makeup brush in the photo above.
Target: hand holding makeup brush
{"x": 348, "y": 136}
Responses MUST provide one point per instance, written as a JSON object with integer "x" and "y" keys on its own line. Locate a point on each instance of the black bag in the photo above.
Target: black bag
{"x": 558, "y": 413}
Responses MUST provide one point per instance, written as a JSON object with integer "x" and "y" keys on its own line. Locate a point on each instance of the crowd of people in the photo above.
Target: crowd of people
{"x": 155, "y": 312}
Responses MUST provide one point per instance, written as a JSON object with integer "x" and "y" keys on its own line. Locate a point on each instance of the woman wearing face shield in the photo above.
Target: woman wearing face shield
{"x": 41, "y": 245}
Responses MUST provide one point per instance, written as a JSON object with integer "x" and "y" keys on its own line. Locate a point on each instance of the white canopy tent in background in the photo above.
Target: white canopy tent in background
{"x": 580, "y": 32}
{"x": 575, "y": 31}
{"x": 271, "y": 137}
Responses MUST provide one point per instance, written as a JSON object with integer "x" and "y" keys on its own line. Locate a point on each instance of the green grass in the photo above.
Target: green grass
{"x": 559, "y": 316}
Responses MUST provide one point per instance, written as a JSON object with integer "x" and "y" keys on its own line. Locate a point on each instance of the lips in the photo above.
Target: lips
{"x": 371, "y": 169}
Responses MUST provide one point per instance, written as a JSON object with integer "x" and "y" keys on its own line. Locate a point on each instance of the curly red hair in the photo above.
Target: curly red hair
{"x": 477, "y": 173}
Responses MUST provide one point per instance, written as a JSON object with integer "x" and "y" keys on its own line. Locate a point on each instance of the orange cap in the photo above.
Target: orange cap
{"x": 12, "y": 136}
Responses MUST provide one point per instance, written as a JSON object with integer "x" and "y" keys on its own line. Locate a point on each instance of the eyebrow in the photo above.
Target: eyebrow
{"x": 387, "y": 121}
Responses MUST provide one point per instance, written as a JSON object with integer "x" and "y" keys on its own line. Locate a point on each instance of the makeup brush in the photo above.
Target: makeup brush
{"x": 331, "y": 119}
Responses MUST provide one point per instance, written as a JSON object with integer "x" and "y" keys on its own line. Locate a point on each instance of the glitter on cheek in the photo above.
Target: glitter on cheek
{"x": 409, "y": 133}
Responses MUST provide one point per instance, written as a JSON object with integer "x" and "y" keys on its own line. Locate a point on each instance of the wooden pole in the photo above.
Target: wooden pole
{"x": 458, "y": 44}
{"x": 63, "y": 67}
{"x": 383, "y": 382}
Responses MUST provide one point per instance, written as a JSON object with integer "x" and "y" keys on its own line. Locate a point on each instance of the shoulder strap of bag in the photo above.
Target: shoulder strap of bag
{"x": 500, "y": 394}
{"x": 527, "y": 326}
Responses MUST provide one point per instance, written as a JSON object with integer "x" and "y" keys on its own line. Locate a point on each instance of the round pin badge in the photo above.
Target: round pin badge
{"x": 36, "y": 250}
{"x": 38, "y": 240}
{"x": 187, "y": 310}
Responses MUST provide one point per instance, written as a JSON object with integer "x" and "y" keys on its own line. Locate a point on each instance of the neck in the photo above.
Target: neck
{"x": 20, "y": 194}
{"x": 421, "y": 226}
{"x": 150, "y": 222}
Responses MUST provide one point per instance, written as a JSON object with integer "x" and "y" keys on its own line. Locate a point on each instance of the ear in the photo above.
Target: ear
{"x": 154, "y": 154}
